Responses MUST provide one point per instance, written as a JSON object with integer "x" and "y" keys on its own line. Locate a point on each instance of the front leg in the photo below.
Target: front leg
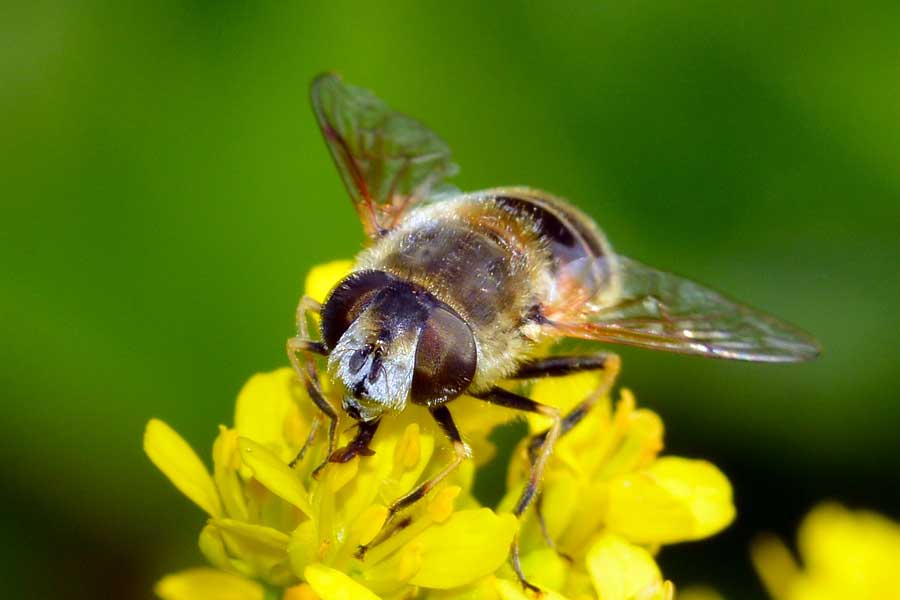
{"x": 461, "y": 452}
{"x": 359, "y": 445}
{"x": 308, "y": 373}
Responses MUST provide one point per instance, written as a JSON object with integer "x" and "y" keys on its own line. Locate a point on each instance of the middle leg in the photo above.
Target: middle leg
{"x": 461, "y": 452}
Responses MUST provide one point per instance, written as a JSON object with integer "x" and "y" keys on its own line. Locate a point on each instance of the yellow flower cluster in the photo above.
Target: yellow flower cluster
{"x": 846, "y": 554}
{"x": 609, "y": 503}
{"x": 280, "y": 526}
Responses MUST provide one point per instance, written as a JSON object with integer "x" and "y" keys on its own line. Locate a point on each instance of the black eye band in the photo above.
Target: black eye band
{"x": 347, "y": 300}
{"x": 446, "y": 358}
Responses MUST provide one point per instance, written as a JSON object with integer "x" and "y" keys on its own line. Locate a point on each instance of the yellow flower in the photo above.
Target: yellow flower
{"x": 281, "y": 526}
{"x": 610, "y": 502}
{"x": 278, "y": 532}
{"x": 287, "y": 530}
{"x": 845, "y": 554}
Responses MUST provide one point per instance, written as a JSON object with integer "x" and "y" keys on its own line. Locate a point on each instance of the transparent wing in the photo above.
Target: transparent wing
{"x": 388, "y": 161}
{"x": 661, "y": 311}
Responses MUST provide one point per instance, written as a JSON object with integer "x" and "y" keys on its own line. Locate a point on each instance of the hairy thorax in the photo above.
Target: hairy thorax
{"x": 485, "y": 262}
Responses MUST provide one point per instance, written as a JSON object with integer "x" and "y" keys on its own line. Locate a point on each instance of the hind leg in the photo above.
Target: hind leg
{"x": 538, "y": 450}
{"x": 543, "y": 449}
{"x": 560, "y": 366}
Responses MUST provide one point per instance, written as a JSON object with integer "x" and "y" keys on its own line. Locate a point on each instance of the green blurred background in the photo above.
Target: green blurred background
{"x": 164, "y": 190}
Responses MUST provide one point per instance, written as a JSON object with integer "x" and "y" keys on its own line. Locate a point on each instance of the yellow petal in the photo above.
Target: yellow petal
{"x": 545, "y": 568}
{"x": 338, "y": 475}
{"x": 262, "y": 549}
{"x": 334, "y": 585}
{"x": 563, "y": 393}
{"x": 591, "y": 505}
{"x": 265, "y": 405}
{"x": 848, "y": 551}
{"x": 207, "y": 584}
{"x": 466, "y": 547}
{"x": 256, "y": 539}
{"x": 303, "y": 549}
{"x": 774, "y": 564}
{"x": 410, "y": 560}
{"x": 212, "y": 546}
{"x": 676, "y": 499}
{"x": 226, "y": 462}
{"x": 300, "y": 592}
{"x": 622, "y": 571}
{"x": 178, "y": 461}
{"x": 512, "y": 590}
{"x": 322, "y": 278}
{"x": 275, "y": 475}
{"x": 477, "y": 419}
{"x": 638, "y": 437}
{"x": 561, "y": 497}
{"x": 483, "y": 589}
{"x": 700, "y": 485}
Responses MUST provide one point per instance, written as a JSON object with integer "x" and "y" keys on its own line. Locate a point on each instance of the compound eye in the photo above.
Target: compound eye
{"x": 347, "y": 301}
{"x": 445, "y": 358}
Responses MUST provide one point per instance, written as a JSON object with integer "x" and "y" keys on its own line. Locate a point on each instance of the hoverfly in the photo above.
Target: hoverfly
{"x": 455, "y": 292}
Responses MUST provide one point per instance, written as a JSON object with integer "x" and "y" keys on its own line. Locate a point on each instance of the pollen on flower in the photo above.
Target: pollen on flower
{"x": 410, "y": 561}
{"x": 609, "y": 499}
{"x": 282, "y": 527}
{"x": 369, "y": 523}
{"x": 441, "y": 506}
{"x": 408, "y": 452}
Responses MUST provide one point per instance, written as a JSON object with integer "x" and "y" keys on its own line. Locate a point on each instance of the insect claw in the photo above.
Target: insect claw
{"x": 317, "y": 472}
{"x": 517, "y": 567}
{"x": 531, "y": 588}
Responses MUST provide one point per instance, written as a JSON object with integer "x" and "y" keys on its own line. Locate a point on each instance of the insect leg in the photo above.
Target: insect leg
{"x": 310, "y": 438}
{"x": 359, "y": 445}
{"x": 461, "y": 452}
{"x": 502, "y": 397}
{"x": 559, "y": 366}
{"x": 307, "y": 372}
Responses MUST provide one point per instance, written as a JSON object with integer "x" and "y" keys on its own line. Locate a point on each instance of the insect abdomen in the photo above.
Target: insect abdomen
{"x": 570, "y": 235}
